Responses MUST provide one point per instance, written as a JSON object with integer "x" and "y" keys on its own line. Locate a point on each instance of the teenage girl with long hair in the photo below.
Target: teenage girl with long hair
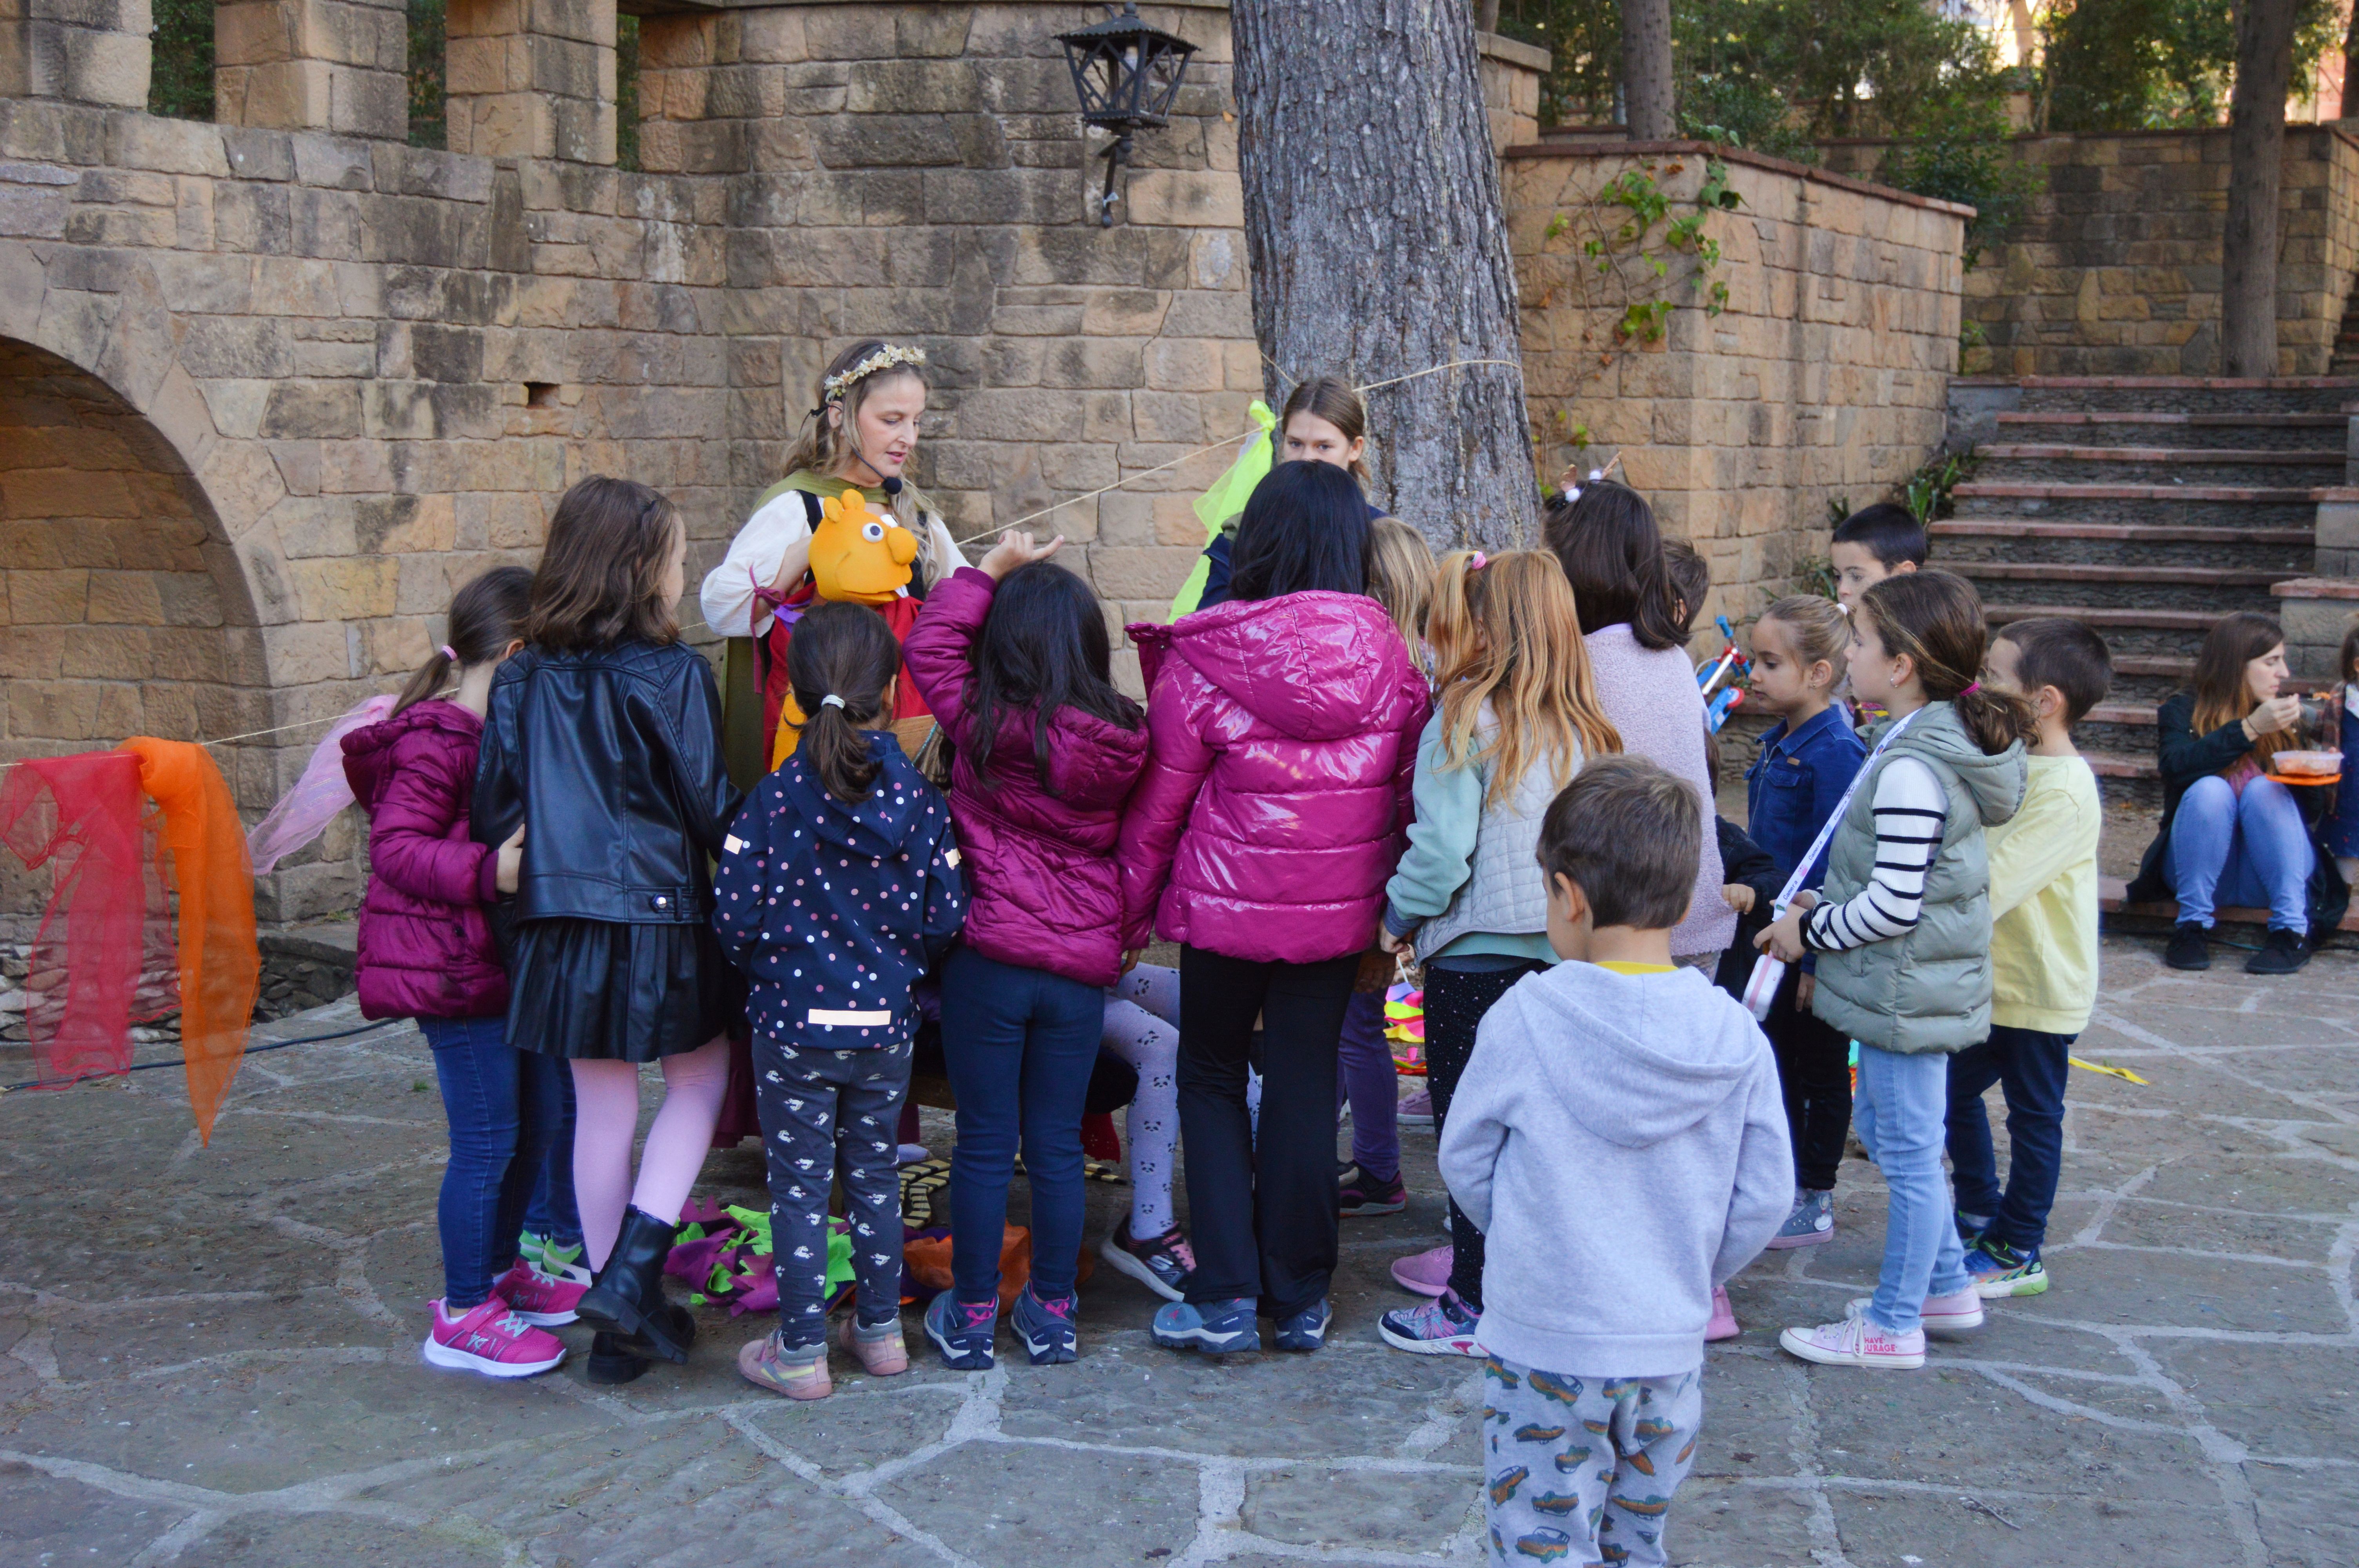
{"x": 604, "y": 735}
{"x": 1902, "y": 937}
{"x": 1324, "y": 420}
{"x": 1518, "y": 717}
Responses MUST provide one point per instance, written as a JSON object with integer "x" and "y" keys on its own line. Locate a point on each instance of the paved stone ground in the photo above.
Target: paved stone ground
{"x": 211, "y": 1358}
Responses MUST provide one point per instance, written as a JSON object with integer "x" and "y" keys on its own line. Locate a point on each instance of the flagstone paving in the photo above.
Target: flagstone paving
{"x": 211, "y": 1357}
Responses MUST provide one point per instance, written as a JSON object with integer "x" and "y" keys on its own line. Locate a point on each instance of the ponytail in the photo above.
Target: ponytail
{"x": 841, "y": 664}
{"x": 1935, "y": 618}
{"x": 485, "y": 616}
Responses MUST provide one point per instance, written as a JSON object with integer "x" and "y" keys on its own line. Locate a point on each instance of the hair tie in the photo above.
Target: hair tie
{"x": 447, "y": 651}
{"x": 1479, "y": 562}
{"x": 831, "y": 700}
{"x": 1972, "y": 687}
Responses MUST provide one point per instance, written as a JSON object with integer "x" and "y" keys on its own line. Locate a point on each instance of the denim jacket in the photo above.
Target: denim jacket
{"x": 1793, "y": 786}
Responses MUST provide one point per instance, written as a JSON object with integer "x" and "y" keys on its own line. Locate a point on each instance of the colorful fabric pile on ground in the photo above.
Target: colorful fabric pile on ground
{"x": 1405, "y": 1026}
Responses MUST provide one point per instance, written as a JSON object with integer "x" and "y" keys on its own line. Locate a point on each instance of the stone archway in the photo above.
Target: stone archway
{"x": 125, "y": 607}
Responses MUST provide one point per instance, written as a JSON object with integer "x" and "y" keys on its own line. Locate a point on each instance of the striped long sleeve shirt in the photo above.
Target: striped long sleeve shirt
{"x": 1911, "y": 812}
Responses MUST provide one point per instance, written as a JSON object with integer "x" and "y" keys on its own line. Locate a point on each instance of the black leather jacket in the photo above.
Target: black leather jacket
{"x": 613, "y": 757}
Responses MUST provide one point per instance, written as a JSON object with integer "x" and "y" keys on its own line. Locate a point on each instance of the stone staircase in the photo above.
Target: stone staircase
{"x": 2146, "y": 507}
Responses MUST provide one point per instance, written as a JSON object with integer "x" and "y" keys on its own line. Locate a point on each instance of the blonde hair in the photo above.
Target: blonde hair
{"x": 1509, "y": 636}
{"x": 1400, "y": 576}
{"x": 826, "y": 447}
{"x": 1821, "y": 629}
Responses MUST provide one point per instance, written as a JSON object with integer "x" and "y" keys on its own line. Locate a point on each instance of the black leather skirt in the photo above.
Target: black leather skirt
{"x": 602, "y": 990}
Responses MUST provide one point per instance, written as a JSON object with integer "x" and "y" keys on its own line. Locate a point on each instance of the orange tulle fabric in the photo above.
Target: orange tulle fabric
{"x": 221, "y": 967}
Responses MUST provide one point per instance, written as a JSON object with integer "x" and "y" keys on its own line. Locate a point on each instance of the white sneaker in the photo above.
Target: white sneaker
{"x": 1857, "y": 1341}
{"x": 1947, "y": 1315}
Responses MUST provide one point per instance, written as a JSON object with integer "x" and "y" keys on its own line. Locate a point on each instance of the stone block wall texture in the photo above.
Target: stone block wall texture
{"x": 271, "y": 395}
{"x": 84, "y": 51}
{"x": 2114, "y": 268}
{"x": 1823, "y": 378}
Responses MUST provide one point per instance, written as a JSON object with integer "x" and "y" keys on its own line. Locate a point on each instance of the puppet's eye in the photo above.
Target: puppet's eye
{"x": 873, "y": 532}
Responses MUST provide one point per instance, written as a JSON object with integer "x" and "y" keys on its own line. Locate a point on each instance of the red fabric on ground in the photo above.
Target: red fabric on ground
{"x": 81, "y": 817}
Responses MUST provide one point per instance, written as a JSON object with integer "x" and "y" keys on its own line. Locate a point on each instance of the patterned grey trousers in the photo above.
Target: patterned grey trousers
{"x": 1581, "y": 1470}
{"x": 827, "y": 1114}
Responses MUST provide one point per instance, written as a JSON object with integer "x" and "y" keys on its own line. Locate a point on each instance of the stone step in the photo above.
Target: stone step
{"x": 2116, "y": 533}
{"x": 2131, "y": 632}
{"x": 2170, "y": 393}
{"x": 2183, "y": 505}
{"x": 2312, "y": 431}
{"x": 2176, "y": 466}
{"x": 2113, "y": 898}
{"x": 1960, "y": 539}
{"x": 2112, "y": 587}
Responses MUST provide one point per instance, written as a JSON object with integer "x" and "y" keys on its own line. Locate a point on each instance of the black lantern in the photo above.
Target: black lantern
{"x": 1126, "y": 73}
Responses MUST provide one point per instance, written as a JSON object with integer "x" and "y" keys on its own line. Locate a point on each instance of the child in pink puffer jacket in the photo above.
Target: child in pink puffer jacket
{"x": 427, "y": 952}
{"x": 1283, "y": 728}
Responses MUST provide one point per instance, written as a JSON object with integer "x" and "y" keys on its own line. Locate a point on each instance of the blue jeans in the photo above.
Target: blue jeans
{"x": 1019, "y": 1044}
{"x": 2032, "y": 1067}
{"x": 511, "y": 1116}
{"x": 1367, "y": 1077}
{"x": 1899, "y": 1114}
{"x": 2248, "y": 851}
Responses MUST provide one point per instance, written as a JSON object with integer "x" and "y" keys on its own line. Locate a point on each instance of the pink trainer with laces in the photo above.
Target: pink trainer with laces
{"x": 541, "y": 1299}
{"x": 492, "y": 1339}
{"x": 1427, "y": 1273}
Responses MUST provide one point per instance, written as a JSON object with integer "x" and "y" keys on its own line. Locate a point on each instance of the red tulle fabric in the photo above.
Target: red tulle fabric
{"x": 81, "y": 817}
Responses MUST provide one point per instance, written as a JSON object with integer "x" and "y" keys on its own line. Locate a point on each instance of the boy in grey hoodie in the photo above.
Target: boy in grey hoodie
{"x": 1620, "y": 1138}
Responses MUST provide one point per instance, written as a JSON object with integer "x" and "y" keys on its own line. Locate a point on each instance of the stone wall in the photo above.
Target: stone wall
{"x": 1823, "y": 380}
{"x": 272, "y": 392}
{"x": 2114, "y": 268}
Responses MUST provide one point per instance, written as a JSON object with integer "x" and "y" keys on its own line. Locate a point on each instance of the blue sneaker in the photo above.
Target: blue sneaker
{"x": 1444, "y": 1326}
{"x": 1046, "y": 1327}
{"x": 1999, "y": 1271}
{"x": 1217, "y": 1328}
{"x": 961, "y": 1333}
{"x": 1306, "y": 1330}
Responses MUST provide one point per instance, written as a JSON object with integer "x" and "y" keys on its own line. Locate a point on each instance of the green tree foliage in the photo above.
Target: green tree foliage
{"x": 2121, "y": 65}
{"x": 181, "y": 84}
{"x": 428, "y": 57}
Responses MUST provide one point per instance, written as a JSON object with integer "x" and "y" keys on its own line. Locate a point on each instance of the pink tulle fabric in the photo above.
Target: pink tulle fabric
{"x": 306, "y": 810}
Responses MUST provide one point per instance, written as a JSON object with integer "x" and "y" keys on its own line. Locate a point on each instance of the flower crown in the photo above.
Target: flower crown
{"x": 886, "y": 358}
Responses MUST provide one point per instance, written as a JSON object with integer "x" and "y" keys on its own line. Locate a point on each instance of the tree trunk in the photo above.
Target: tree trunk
{"x": 2248, "y": 247}
{"x": 1647, "y": 70}
{"x": 1488, "y": 18}
{"x": 1378, "y": 246}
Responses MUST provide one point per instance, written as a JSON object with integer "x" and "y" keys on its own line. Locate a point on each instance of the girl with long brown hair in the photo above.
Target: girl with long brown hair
{"x": 603, "y": 734}
{"x": 2231, "y": 835}
{"x": 1518, "y": 717}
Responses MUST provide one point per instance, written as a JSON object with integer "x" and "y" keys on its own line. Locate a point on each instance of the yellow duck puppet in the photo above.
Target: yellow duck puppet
{"x": 858, "y": 555}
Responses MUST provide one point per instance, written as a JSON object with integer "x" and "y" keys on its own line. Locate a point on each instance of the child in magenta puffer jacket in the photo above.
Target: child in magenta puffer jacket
{"x": 1014, "y": 661}
{"x": 1283, "y": 728}
{"x": 427, "y": 952}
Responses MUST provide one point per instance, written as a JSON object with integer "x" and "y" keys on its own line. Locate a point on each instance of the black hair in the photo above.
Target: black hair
{"x": 484, "y": 619}
{"x": 1688, "y": 577}
{"x": 1889, "y": 531}
{"x": 845, "y": 651}
{"x": 1612, "y": 553}
{"x": 2055, "y": 650}
{"x": 1630, "y": 834}
{"x": 1043, "y": 646}
{"x": 1305, "y": 527}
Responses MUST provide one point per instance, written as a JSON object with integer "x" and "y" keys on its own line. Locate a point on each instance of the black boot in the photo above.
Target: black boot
{"x": 2188, "y": 950}
{"x": 627, "y": 1298}
{"x": 612, "y": 1359}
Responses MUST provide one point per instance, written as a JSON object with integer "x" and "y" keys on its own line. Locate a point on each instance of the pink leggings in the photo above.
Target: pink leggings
{"x": 607, "y": 1116}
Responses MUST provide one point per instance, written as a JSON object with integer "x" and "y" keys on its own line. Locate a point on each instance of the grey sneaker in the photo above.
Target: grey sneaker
{"x": 1812, "y": 1221}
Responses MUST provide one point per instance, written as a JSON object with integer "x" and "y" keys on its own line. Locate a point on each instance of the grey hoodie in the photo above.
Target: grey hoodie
{"x": 1621, "y": 1140}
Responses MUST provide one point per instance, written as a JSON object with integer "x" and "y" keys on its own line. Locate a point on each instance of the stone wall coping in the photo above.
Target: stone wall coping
{"x": 1513, "y": 52}
{"x": 1544, "y": 149}
{"x": 2319, "y": 587}
{"x": 2167, "y": 383}
{"x": 2303, "y": 128}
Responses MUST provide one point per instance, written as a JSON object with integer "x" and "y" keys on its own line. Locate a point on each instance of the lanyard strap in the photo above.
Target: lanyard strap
{"x": 1827, "y": 828}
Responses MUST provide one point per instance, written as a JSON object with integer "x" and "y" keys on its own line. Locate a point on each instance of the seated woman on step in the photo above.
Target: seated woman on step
{"x": 2232, "y": 835}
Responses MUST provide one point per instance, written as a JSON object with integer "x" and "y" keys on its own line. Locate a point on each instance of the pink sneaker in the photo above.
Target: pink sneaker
{"x": 538, "y": 1298}
{"x": 1857, "y": 1341}
{"x": 881, "y": 1352}
{"x": 800, "y": 1374}
{"x": 1724, "y": 1317}
{"x": 1427, "y": 1273}
{"x": 1952, "y": 1313}
{"x": 1416, "y": 1109}
{"x": 492, "y": 1340}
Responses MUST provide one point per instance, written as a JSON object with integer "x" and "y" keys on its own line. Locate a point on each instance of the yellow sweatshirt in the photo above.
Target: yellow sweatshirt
{"x": 2043, "y": 902}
